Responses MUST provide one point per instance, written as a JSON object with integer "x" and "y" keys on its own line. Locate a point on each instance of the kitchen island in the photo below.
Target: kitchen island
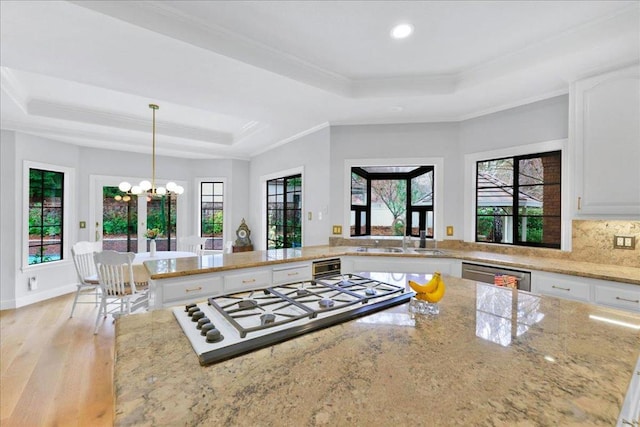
{"x": 550, "y": 362}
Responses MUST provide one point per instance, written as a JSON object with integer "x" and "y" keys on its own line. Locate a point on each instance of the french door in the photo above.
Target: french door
{"x": 122, "y": 224}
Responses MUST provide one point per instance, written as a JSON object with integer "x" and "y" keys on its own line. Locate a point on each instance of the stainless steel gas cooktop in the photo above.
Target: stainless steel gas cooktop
{"x": 229, "y": 325}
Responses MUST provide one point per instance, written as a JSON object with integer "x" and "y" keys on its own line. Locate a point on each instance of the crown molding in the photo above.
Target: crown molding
{"x": 162, "y": 18}
{"x": 104, "y": 140}
{"x": 75, "y": 113}
{"x": 10, "y": 85}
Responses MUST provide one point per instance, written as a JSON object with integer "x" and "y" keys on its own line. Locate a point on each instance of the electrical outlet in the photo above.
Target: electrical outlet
{"x": 33, "y": 283}
{"x": 624, "y": 242}
{"x": 337, "y": 229}
{"x": 449, "y": 230}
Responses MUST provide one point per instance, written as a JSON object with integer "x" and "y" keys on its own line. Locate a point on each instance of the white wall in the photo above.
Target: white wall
{"x": 398, "y": 141}
{"x": 541, "y": 121}
{"x": 311, "y": 153}
{"x": 8, "y": 212}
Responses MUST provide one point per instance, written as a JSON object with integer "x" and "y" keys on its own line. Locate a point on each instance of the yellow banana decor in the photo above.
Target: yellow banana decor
{"x": 432, "y": 291}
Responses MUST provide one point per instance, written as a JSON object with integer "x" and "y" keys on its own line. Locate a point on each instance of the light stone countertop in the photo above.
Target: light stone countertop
{"x": 161, "y": 269}
{"x": 473, "y": 364}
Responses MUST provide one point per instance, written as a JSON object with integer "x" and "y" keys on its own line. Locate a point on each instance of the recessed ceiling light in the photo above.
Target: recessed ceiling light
{"x": 401, "y": 31}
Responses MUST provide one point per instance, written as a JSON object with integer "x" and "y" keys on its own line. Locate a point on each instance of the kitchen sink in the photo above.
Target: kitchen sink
{"x": 429, "y": 251}
{"x": 380, "y": 250}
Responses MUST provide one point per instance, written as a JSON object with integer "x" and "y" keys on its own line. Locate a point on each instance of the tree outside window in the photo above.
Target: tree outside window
{"x": 46, "y": 213}
{"x": 518, "y": 200}
{"x": 392, "y": 200}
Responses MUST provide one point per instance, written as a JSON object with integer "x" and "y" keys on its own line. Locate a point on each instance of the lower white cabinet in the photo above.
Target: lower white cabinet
{"x": 288, "y": 273}
{"x": 601, "y": 292}
{"x": 559, "y": 285}
{"x": 251, "y": 278}
{"x": 179, "y": 290}
{"x": 618, "y": 295}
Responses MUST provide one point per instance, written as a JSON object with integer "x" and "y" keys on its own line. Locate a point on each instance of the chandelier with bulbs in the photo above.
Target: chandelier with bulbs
{"x": 145, "y": 186}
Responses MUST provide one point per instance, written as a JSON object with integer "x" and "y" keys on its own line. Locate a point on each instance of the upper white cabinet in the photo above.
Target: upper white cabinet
{"x": 605, "y": 134}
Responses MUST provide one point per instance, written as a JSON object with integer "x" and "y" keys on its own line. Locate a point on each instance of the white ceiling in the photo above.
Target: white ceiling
{"x": 235, "y": 78}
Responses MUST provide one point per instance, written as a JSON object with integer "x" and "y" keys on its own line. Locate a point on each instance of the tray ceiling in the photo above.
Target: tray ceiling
{"x": 235, "y": 78}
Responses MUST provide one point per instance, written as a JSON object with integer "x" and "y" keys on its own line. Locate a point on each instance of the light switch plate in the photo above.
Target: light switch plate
{"x": 449, "y": 230}
{"x": 83, "y": 224}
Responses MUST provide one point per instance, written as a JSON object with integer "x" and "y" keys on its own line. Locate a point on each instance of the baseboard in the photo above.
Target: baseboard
{"x": 40, "y": 296}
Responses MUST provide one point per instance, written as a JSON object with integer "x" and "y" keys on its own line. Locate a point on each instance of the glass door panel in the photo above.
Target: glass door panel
{"x": 119, "y": 221}
{"x": 161, "y": 215}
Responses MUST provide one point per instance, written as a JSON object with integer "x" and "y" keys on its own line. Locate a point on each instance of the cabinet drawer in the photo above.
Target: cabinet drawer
{"x": 192, "y": 290}
{"x": 561, "y": 287}
{"x": 291, "y": 274}
{"x": 245, "y": 281}
{"x": 618, "y": 297}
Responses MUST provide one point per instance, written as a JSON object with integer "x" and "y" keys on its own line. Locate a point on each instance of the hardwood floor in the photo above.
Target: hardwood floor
{"x": 53, "y": 370}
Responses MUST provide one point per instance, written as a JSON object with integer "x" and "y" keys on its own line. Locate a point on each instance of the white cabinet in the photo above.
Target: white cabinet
{"x": 250, "y": 278}
{"x": 605, "y": 134}
{"x": 618, "y": 295}
{"x": 291, "y": 273}
{"x": 602, "y": 292}
{"x": 559, "y": 285}
{"x": 181, "y": 290}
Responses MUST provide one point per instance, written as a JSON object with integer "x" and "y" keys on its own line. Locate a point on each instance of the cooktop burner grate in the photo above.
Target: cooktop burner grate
{"x": 257, "y": 318}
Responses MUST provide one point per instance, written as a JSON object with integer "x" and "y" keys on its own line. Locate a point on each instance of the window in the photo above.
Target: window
{"x": 211, "y": 213}
{"x": 518, "y": 200}
{"x": 386, "y": 200}
{"x": 284, "y": 212}
{"x": 46, "y": 214}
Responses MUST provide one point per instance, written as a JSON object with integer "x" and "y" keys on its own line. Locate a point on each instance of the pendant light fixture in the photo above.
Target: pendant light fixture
{"x": 146, "y": 186}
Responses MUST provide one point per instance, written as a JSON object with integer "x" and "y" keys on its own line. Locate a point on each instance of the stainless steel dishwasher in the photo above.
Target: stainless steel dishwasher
{"x": 487, "y": 274}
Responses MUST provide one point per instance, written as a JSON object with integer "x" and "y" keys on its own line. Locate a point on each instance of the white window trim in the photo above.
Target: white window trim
{"x": 68, "y": 214}
{"x": 263, "y": 190}
{"x": 438, "y": 200}
{"x": 470, "y": 163}
{"x": 225, "y": 208}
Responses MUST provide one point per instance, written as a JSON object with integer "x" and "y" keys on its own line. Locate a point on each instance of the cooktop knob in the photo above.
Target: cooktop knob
{"x": 188, "y": 306}
{"x": 206, "y": 328}
{"x": 202, "y": 322}
{"x": 214, "y": 335}
{"x": 197, "y": 316}
{"x": 193, "y": 310}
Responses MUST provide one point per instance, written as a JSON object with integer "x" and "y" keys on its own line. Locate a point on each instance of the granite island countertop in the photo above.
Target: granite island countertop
{"x": 162, "y": 269}
{"x": 476, "y": 363}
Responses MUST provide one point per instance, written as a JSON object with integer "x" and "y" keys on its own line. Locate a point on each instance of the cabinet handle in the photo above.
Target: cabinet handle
{"x": 249, "y": 281}
{"x": 634, "y": 423}
{"x": 628, "y": 300}
{"x": 561, "y": 288}
{"x": 199, "y": 288}
{"x": 579, "y": 203}
{"x": 292, "y": 274}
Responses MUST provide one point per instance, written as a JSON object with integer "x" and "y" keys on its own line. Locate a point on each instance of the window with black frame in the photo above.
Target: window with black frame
{"x": 518, "y": 200}
{"x": 212, "y": 214}
{"x": 284, "y": 212}
{"x": 392, "y": 200}
{"x": 46, "y": 213}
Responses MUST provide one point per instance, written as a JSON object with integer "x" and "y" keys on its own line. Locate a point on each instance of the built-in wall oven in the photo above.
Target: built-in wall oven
{"x": 497, "y": 275}
{"x": 325, "y": 267}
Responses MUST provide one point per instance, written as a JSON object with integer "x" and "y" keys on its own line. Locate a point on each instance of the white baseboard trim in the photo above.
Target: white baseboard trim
{"x": 37, "y": 297}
